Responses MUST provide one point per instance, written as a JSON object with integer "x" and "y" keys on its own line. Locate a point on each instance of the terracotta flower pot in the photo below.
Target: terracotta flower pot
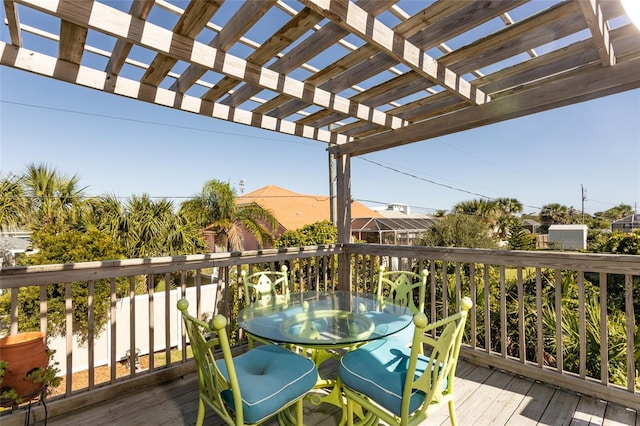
{"x": 24, "y": 352}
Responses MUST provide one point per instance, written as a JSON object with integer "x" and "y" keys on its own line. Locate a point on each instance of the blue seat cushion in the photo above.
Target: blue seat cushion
{"x": 379, "y": 370}
{"x": 269, "y": 377}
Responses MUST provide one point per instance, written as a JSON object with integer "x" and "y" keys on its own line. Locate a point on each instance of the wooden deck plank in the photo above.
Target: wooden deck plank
{"x": 617, "y": 415}
{"x": 590, "y": 411}
{"x": 483, "y": 397}
{"x": 560, "y": 409}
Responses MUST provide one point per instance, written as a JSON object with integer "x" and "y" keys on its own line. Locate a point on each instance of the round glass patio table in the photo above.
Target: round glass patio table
{"x": 322, "y": 325}
{"x": 325, "y": 319}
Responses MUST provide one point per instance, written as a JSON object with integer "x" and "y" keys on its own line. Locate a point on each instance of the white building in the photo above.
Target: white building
{"x": 568, "y": 237}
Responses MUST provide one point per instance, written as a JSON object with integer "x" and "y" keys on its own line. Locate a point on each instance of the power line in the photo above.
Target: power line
{"x": 155, "y": 123}
{"x": 434, "y": 182}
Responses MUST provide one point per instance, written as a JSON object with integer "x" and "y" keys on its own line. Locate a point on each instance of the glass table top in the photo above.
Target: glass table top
{"x": 318, "y": 318}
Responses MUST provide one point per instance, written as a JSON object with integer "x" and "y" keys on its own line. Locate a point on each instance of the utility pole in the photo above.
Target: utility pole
{"x": 584, "y": 198}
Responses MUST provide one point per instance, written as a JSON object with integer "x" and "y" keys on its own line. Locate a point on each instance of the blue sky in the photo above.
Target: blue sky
{"x": 124, "y": 147}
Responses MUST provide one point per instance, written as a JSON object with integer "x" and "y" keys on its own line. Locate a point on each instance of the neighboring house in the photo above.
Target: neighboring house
{"x": 568, "y": 237}
{"x": 390, "y": 230}
{"x": 13, "y": 244}
{"x": 398, "y": 226}
{"x": 626, "y": 224}
{"x": 293, "y": 210}
{"x": 531, "y": 225}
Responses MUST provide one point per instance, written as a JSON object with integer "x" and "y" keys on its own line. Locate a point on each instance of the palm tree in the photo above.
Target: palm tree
{"x": 553, "y": 213}
{"x": 54, "y": 198}
{"x": 13, "y": 204}
{"x": 144, "y": 227}
{"x": 214, "y": 209}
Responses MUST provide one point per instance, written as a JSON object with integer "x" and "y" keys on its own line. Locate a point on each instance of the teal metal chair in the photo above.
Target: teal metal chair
{"x": 399, "y": 385}
{"x": 263, "y": 288}
{"x": 249, "y": 388}
{"x": 404, "y": 288}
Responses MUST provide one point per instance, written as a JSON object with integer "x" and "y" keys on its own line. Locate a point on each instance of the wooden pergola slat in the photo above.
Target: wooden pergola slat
{"x": 357, "y": 21}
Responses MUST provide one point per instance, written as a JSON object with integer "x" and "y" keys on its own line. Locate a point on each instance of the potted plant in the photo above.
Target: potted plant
{"x": 26, "y": 368}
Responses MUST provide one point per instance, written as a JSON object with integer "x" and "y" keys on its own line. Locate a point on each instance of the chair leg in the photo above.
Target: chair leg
{"x": 201, "y": 409}
{"x": 349, "y": 412}
{"x": 452, "y": 414}
{"x": 299, "y": 412}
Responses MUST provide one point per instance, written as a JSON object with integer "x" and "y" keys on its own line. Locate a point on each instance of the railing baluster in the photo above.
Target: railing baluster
{"x": 540, "y": 331}
{"x": 487, "y": 310}
{"x": 68, "y": 305}
{"x": 91, "y": 333}
{"x": 558, "y": 301}
{"x": 151, "y": 318}
{"x": 604, "y": 331}
{"x": 522, "y": 343}
{"x": 113, "y": 333}
{"x": 630, "y": 327}
{"x": 503, "y": 313}
{"x": 582, "y": 325}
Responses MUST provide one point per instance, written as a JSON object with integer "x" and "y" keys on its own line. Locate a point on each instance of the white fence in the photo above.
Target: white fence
{"x": 102, "y": 342}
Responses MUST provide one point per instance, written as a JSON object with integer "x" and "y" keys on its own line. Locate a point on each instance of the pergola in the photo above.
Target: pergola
{"x": 358, "y": 76}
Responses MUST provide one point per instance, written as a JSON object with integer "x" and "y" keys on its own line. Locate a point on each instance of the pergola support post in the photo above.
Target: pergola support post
{"x": 343, "y": 217}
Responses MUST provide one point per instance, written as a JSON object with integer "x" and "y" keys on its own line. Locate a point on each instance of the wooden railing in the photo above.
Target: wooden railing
{"x": 524, "y": 303}
{"x": 588, "y": 302}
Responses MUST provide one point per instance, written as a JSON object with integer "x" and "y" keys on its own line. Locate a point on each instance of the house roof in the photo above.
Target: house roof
{"x": 359, "y": 76}
{"x": 375, "y": 224}
{"x": 634, "y": 218}
{"x": 294, "y": 210}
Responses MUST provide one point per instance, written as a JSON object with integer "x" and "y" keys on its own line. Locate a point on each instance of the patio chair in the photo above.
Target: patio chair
{"x": 248, "y": 388}
{"x": 403, "y": 288}
{"x": 264, "y": 288}
{"x": 398, "y": 384}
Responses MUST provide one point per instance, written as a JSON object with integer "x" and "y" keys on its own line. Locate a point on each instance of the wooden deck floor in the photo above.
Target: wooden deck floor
{"x": 483, "y": 397}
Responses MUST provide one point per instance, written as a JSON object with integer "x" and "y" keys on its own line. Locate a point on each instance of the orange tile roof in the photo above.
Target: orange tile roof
{"x": 294, "y": 210}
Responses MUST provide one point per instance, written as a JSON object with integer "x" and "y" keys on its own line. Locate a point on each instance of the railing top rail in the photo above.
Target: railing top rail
{"x": 591, "y": 262}
{"x": 21, "y": 276}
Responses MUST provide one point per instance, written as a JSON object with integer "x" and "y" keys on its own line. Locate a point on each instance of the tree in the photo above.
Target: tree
{"x": 614, "y": 213}
{"x": 309, "y": 235}
{"x": 144, "y": 227}
{"x": 519, "y": 238}
{"x": 215, "y": 209}
{"x": 68, "y": 246}
{"x": 618, "y": 242}
{"x": 53, "y": 198}
{"x": 13, "y": 203}
{"x": 458, "y": 230}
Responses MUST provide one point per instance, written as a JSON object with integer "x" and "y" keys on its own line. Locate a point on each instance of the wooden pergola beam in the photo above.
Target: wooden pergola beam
{"x": 357, "y": 21}
{"x": 238, "y": 25}
{"x": 122, "y": 25}
{"x": 191, "y": 22}
{"x": 140, "y": 9}
{"x": 579, "y": 86}
{"x": 319, "y": 41}
{"x": 592, "y": 11}
{"x": 13, "y": 22}
{"x": 48, "y": 66}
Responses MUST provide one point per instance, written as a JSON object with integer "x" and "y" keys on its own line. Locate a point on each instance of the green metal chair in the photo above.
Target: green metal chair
{"x": 405, "y": 288}
{"x": 249, "y": 388}
{"x": 399, "y": 385}
{"x": 264, "y": 288}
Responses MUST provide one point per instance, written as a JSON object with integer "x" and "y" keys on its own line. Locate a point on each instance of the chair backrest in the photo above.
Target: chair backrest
{"x": 400, "y": 287}
{"x": 266, "y": 286}
{"x": 437, "y": 379}
{"x": 204, "y": 338}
